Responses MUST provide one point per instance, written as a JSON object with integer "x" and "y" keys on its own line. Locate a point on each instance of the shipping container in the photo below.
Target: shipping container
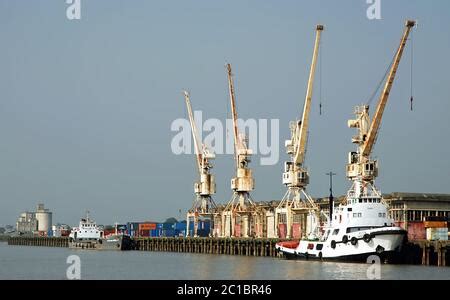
{"x": 147, "y": 226}
{"x": 179, "y": 233}
{"x": 296, "y": 231}
{"x": 437, "y": 234}
{"x": 202, "y": 233}
{"x": 282, "y": 231}
{"x": 134, "y": 226}
{"x": 204, "y": 225}
{"x": 168, "y": 232}
{"x": 237, "y": 230}
{"x": 180, "y": 226}
{"x": 156, "y": 232}
{"x": 144, "y": 233}
{"x": 435, "y": 224}
{"x": 168, "y": 225}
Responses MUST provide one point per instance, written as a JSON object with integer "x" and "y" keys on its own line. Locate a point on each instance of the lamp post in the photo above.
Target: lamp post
{"x": 331, "y": 206}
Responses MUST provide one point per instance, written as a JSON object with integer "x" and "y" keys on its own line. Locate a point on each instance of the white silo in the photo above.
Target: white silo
{"x": 44, "y": 218}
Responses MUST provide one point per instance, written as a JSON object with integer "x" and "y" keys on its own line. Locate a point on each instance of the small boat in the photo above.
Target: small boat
{"x": 358, "y": 228}
{"x": 90, "y": 236}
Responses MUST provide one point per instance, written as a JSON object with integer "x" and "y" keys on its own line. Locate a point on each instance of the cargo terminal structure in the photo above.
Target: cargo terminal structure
{"x": 298, "y": 215}
{"x": 37, "y": 222}
{"x": 408, "y": 210}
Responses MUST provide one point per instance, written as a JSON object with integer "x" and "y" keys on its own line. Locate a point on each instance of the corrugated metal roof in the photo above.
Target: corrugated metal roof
{"x": 418, "y": 196}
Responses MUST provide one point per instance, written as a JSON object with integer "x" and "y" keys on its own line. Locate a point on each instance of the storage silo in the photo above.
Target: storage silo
{"x": 44, "y": 218}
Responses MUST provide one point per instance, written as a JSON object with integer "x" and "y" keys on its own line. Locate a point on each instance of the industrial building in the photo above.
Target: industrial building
{"x": 409, "y": 210}
{"x": 27, "y": 223}
{"x": 38, "y": 222}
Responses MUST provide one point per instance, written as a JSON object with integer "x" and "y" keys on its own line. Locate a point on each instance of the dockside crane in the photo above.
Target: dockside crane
{"x": 361, "y": 168}
{"x": 203, "y": 204}
{"x": 295, "y": 175}
{"x": 240, "y": 209}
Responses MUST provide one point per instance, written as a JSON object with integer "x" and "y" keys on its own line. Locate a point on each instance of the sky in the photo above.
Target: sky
{"x": 86, "y": 106}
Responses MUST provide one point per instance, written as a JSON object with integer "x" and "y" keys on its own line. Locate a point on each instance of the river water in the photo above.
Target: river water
{"x": 23, "y": 262}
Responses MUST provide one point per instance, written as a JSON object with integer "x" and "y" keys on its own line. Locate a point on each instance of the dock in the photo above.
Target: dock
{"x": 419, "y": 252}
{"x": 228, "y": 246}
{"x": 39, "y": 241}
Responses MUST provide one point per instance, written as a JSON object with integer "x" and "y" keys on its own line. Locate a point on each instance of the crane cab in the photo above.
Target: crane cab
{"x": 369, "y": 169}
{"x": 297, "y": 177}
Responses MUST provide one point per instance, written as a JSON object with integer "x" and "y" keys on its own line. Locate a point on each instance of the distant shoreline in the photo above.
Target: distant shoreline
{"x": 4, "y": 237}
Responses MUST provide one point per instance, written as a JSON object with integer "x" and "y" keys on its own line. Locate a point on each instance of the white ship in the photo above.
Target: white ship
{"x": 359, "y": 228}
{"x": 90, "y": 236}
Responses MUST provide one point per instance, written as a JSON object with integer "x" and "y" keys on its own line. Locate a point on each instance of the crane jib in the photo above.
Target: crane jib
{"x": 374, "y": 127}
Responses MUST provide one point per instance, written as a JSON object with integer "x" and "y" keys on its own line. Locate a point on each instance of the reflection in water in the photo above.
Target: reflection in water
{"x": 19, "y": 262}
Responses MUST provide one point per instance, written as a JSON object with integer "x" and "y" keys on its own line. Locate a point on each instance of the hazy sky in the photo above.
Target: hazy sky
{"x": 86, "y": 105}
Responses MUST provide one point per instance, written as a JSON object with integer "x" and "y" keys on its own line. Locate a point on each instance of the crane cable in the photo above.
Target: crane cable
{"x": 381, "y": 81}
{"x": 411, "y": 72}
{"x": 320, "y": 78}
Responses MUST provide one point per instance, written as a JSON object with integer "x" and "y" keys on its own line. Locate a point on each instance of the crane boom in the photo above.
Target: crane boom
{"x": 233, "y": 112}
{"x": 375, "y": 125}
{"x": 194, "y": 131}
{"x": 302, "y": 135}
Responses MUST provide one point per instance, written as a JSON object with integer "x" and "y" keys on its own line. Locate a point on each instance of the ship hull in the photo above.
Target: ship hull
{"x": 386, "y": 244}
{"x": 115, "y": 243}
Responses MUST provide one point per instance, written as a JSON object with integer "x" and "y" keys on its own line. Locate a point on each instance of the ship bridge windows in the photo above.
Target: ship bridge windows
{"x": 356, "y": 229}
{"x": 382, "y": 215}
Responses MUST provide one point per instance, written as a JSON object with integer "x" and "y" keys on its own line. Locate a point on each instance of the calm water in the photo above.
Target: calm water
{"x": 21, "y": 262}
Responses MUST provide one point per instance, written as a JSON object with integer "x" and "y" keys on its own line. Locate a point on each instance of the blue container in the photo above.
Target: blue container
{"x": 179, "y": 233}
{"x": 50, "y": 233}
{"x": 164, "y": 226}
{"x": 155, "y": 232}
{"x": 180, "y": 226}
{"x": 169, "y": 232}
{"x": 204, "y": 225}
{"x": 202, "y": 233}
